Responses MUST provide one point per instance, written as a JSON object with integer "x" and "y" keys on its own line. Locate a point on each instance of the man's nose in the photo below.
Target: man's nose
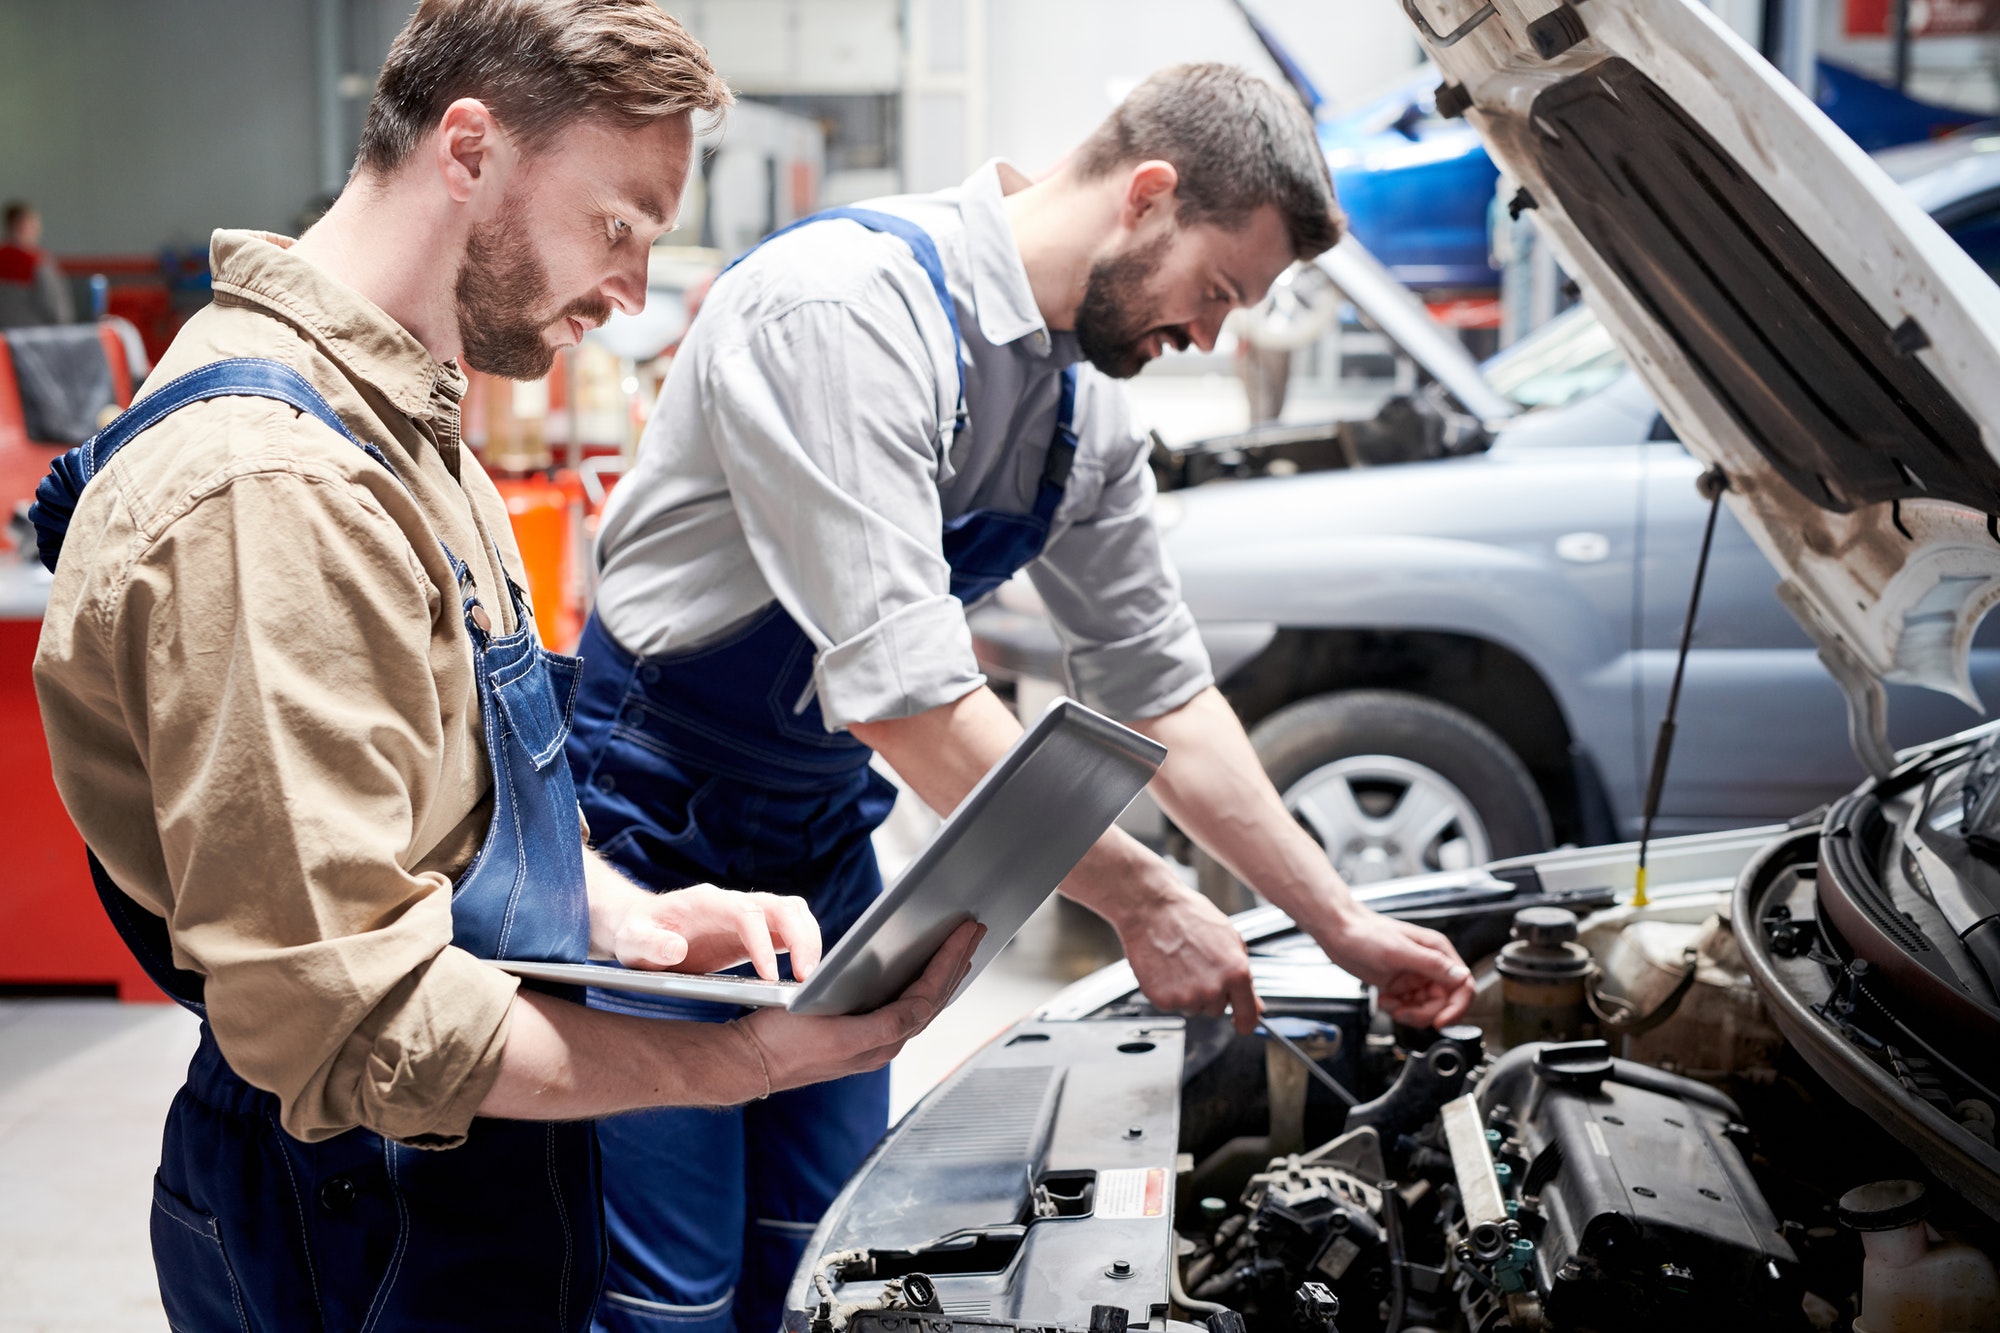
{"x": 625, "y": 287}
{"x": 1205, "y": 330}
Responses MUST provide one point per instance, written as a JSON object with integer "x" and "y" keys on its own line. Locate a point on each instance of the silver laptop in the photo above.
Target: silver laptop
{"x": 995, "y": 860}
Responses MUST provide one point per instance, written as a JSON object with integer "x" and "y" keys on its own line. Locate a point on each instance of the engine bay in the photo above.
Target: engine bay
{"x": 1726, "y": 1109}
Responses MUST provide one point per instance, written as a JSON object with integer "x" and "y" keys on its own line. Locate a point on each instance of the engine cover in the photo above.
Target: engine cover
{"x": 1640, "y": 1207}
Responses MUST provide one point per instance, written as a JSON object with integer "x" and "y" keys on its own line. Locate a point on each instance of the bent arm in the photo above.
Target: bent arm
{"x": 1213, "y": 786}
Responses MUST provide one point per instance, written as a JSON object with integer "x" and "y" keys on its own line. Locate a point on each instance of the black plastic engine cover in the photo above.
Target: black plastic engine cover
{"x": 1648, "y": 1215}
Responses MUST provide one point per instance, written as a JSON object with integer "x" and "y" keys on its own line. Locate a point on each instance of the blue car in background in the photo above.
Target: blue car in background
{"x": 1418, "y": 187}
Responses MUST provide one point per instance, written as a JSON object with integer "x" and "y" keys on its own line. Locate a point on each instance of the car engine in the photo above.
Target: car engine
{"x": 1650, "y": 1120}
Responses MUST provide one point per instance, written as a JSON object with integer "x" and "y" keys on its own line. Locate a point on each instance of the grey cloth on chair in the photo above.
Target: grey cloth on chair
{"x": 65, "y": 380}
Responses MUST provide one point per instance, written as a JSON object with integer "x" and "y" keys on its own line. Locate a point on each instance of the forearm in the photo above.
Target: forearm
{"x": 943, "y": 752}
{"x": 1214, "y": 788}
{"x": 562, "y": 1061}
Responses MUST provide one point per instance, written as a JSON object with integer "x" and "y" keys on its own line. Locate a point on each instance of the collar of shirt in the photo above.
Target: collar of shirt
{"x": 1001, "y": 295}
{"x": 260, "y": 268}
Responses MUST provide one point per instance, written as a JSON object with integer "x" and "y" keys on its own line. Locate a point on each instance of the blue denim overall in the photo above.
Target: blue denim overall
{"x": 715, "y": 766}
{"x": 254, "y": 1230}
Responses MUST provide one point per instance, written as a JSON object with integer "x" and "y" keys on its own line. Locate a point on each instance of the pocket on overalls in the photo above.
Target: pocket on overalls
{"x": 197, "y": 1285}
{"x": 667, "y": 842}
{"x": 535, "y": 697}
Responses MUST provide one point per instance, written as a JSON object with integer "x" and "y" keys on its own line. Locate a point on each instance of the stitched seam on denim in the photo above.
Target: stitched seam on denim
{"x": 205, "y": 1235}
{"x": 520, "y": 856}
{"x": 562, "y": 1216}
{"x": 235, "y": 1287}
{"x": 526, "y": 666}
{"x": 517, "y": 668}
{"x": 298, "y": 1205}
{"x": 381, "y": 1301}
{"x": 569, "y": 700}
{"x": 716, "y": 1306}
{"x": 491, "y": 728}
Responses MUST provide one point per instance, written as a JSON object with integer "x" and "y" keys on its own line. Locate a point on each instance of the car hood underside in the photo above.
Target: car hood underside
{"x": 1807, "y": 330}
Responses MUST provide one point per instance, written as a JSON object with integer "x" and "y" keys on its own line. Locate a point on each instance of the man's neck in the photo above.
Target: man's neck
{"x": 380, "y": 244}
{"x": 1059, "y": 224}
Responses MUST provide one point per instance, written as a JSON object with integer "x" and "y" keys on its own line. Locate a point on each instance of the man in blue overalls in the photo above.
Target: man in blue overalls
{"x": 297, "y": 708}
{"x": 877, "y": 418}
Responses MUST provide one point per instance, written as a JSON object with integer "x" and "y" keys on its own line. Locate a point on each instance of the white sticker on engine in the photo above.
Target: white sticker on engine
{"x": 1141, "y": 1192}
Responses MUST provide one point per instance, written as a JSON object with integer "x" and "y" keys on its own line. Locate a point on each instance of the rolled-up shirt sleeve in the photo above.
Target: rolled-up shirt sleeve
{"x": 1131, "y": 645}
{"x": 271, "y": 648}
{"x": 825, "y": 419}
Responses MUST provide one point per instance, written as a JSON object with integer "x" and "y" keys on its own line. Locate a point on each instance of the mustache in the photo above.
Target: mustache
{"x": 593, "y": 311}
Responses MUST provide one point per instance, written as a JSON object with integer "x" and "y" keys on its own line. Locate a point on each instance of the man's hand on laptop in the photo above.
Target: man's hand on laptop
{"x": 706, "y": 929}
{"x": 797, "y": 1050}
{"x": 701, "y": 929}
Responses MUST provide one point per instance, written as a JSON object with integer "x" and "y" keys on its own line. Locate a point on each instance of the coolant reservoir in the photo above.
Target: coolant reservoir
{"x": 1914, "y": 1280}
{"x": 1543, "y": 976}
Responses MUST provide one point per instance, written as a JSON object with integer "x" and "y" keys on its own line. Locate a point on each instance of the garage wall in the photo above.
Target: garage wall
{"x": 135, "y": 123}
{"x": 132, "y": 123}
{"x": 1027, "y": 79}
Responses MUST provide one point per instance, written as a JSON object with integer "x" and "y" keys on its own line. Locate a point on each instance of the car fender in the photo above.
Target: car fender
{"x": 1376, "y": 581}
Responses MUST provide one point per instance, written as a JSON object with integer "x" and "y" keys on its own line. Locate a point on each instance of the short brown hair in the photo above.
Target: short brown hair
{"x": 539, "y": 65}
{"x": 1238, "y": 142}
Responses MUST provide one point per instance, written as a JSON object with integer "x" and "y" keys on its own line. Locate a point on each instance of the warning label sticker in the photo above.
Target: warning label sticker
{"x": 1136, "y": 1193}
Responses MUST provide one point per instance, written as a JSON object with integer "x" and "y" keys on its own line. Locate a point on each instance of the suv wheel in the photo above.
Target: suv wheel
{"x": 1392, "y": 784}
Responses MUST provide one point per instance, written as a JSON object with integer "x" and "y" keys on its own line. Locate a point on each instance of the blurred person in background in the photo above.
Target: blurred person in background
{"x": 33, "y": 289}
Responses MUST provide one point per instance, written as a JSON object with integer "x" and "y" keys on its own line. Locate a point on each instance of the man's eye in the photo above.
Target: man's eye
{"x": 619, "y": 228}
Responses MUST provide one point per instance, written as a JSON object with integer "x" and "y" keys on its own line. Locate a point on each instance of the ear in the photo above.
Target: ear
{"x": 473, "y": 153}
{"x": 1149, "y": 194}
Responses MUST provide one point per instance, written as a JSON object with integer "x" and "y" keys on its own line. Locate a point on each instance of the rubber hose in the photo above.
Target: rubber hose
{"x": 1185, "y": 1301}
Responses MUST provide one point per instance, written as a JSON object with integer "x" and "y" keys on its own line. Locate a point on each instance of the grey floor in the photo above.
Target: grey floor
{"x": 85, "y": 1085}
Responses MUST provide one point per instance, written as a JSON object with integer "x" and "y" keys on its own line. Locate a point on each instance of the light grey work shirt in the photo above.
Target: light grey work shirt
{"x": 803, "y": 449}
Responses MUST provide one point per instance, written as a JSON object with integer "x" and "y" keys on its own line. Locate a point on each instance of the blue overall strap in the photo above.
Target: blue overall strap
{"x": 247, "y": 377}
{"x": 922, "y": 247}
{"x": 1062, "y": 451}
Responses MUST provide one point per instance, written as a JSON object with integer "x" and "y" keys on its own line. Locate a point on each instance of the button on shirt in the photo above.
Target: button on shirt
{"x": 803, "y": 449}
{"x": 261, "y": 705}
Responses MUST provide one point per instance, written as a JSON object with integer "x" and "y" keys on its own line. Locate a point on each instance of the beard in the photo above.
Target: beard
{"x": 501, "y": 282}
{"x": 1110, "y": 331}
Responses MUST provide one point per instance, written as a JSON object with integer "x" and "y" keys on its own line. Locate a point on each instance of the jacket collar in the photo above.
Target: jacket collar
{"x": 259, "y": 268}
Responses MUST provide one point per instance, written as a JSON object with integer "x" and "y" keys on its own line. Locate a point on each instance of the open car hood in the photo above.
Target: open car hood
{"x": 1804, "y": 327}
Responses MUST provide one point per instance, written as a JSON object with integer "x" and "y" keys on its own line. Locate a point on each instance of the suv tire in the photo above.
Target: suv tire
{"x": 1379, "y": 739}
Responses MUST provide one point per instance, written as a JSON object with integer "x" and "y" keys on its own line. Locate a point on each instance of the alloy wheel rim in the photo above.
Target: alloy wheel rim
{"x": 1381, "y": 817}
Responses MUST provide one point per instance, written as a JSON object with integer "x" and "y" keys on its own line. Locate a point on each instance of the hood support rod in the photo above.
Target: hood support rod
{"x": 1711, "y": 484}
